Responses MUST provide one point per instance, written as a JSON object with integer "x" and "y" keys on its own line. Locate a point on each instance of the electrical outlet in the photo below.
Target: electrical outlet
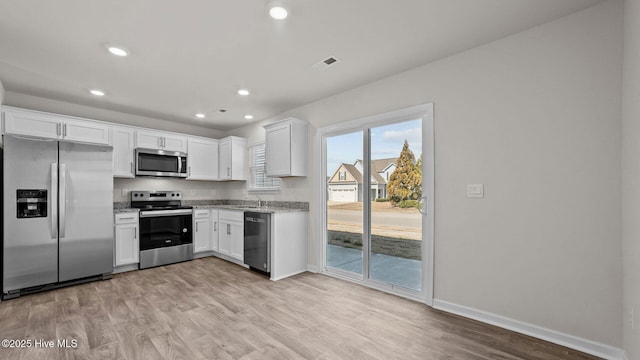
{"x": 125, "y": 192}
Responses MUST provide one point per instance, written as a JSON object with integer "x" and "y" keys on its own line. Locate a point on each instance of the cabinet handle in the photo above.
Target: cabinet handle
{"x": 164, "y": 141}
{"x": 128, "y": 218}
{"x": 131, "y": 167}
{"x": 135, "y": 235}
{"x": 228, "y": 229}
{"x": 58, "y": 129}
{"x": 229, "y": 171}
{"x": 189, "y": 171}
{"x": 215, "y": 226}
{"x": 196, "y": 227}
{"x": 64, "y": 130}
{"x": 159, "y": 141}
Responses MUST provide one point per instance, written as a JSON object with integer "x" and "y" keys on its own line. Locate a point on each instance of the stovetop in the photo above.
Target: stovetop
{"x": 161, "y": 207}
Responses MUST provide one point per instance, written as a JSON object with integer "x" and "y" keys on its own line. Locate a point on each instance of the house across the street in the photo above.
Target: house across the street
{"x": 345, "y": 185}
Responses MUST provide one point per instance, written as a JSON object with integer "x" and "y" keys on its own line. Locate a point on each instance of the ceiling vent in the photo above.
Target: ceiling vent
{"x": 321, "y": 65}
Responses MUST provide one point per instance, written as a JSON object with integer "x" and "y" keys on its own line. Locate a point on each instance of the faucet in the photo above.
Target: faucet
{"x": 259, "y": 201}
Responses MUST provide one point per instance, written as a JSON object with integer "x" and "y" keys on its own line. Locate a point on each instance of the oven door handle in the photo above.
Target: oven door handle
{"x": 158, "y": 213}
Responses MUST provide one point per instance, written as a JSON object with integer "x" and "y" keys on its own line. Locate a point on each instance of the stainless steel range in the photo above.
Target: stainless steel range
{"x": 165, "y": 227}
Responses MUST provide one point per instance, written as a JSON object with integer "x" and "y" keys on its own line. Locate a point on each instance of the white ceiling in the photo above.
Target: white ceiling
{"x": 192, "y": 56}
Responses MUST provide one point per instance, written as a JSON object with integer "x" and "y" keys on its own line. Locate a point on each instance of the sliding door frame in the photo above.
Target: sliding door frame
{"x": 424, "y": 112}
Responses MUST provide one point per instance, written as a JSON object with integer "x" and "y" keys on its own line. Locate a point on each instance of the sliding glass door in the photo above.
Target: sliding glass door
{"x": 344, "y": 202}
{"x": 395, "y": 251}
{"x": 378, "y": 182}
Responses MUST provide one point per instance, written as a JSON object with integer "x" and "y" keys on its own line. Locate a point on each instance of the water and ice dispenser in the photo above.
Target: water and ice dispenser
{"x": 31, "y": 203}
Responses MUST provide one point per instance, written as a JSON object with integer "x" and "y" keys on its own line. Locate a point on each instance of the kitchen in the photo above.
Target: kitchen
{"x": 546, "y": 59}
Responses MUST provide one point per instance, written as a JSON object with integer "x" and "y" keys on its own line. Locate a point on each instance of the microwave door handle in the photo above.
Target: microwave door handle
{"x": 179, "y": 164}
{"x": 53, "y": 193}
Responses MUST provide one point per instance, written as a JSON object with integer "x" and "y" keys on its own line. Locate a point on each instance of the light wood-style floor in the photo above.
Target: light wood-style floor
{"x": 211, "y": 309}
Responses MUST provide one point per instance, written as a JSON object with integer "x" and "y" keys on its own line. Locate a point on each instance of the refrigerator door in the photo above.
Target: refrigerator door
{"x": 30, "y": 243}
{"x": 86, "y": 211}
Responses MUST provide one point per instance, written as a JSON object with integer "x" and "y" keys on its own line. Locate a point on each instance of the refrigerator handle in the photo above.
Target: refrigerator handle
{"x": 54, "y": 200}
{"x": 63, "y": 198}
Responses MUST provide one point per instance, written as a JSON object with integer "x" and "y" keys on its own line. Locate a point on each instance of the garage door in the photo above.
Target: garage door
{"x": 343, "y": 195}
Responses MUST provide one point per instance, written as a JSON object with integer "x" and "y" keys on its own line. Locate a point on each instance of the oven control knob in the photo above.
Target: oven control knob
{"x": 184, "y": 230}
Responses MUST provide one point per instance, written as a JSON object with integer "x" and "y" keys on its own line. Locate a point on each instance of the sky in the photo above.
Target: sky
{"x": 386, "y": 142}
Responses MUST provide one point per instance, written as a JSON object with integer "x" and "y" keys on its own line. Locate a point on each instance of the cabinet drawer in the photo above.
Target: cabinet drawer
{"x": 231, "y": 215}
{"x": 127, "y": 218}
{"x": 202, "y": 213}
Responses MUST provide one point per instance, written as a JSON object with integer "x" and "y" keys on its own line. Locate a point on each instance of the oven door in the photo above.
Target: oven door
{"x": 164, "y": 228}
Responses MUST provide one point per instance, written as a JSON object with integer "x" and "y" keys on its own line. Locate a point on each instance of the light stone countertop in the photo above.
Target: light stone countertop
{"x": 263, "y": 209}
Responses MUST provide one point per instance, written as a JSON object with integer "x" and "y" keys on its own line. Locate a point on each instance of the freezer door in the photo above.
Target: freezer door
{"x": 30, "y": 243}
{"x": 86, "y": 211}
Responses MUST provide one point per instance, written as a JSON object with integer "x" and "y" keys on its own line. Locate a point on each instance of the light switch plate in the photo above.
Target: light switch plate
{"x": 475, "y": 190}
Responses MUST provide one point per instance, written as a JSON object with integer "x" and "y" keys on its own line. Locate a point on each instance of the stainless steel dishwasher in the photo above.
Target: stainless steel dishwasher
{"x": 257, "y": 241}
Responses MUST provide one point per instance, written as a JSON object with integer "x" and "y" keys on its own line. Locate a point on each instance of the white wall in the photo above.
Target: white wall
{"x": 536, "y": 117}
{"x": 191, "y": 190}
{"x": 631, "y": 176}
{"x": 65, "y": 108}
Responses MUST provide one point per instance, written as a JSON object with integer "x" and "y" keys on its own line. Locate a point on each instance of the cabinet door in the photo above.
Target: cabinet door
{"x": 224, "y": 164}
{"x": 148, "y": 139}
{"x": 85, "y": 132}
{"x": 224, "y": 233}
{"x": 32, "y": 124}
{"x": 237, "y": 241}
{"x": 215, "y": 230}
{"x": 123, "y": 148}
{"x": 174, "y": 143}
{"x": 202, "y": 159}
{"x": 278, "y": 150}
{"x": 126, "y": 244}
{"x": 202, "y": 235}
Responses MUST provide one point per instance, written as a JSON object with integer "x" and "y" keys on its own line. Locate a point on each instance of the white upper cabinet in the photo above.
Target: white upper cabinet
{"x": 286, "y": 148}
{"x": 233, "y": 158}
{"x": 202, "y": 159}
{"x": 85, "y": 131}
{"x": 158, "y": 140}
{"x": 123, "y": 147}
{"x": 51, "y": 126}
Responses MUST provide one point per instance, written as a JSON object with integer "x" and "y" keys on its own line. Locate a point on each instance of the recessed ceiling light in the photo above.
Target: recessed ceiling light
{"x": 248, "y": 117}
{"x": 118, "y": 51}
{"x": 243, "y": 92}
{"x": 278, "y": 12}
{"x": 200, "y": 116}
{"x": 97, "y": 92}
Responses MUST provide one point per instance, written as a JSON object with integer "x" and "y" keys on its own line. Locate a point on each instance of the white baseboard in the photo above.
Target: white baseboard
{"x": 314, "y": 268}
{"x": 556, "y": 337}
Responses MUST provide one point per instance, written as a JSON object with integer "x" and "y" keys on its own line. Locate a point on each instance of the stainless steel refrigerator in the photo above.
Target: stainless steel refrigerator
{"x": 57, "y": 213}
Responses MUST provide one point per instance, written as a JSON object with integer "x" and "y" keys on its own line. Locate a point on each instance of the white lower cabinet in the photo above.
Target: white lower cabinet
{"x": 126, "y": 247}
{"x": 202, "y": 231}
{"x": 215, "y": 229}
{"x": 288, "y": 244}
{"x": 231, "y": 234}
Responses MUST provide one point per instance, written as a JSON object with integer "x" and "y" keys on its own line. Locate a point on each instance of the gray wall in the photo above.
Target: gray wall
{"x": 631, "y": 176}
{"x": 536, "y": 117}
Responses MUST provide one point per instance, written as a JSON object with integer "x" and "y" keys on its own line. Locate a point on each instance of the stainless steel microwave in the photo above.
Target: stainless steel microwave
{"x": 151, "y": 162}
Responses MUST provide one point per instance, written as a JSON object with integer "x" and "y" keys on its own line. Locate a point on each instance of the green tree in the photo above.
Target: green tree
{"x": 405, "y": 183}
